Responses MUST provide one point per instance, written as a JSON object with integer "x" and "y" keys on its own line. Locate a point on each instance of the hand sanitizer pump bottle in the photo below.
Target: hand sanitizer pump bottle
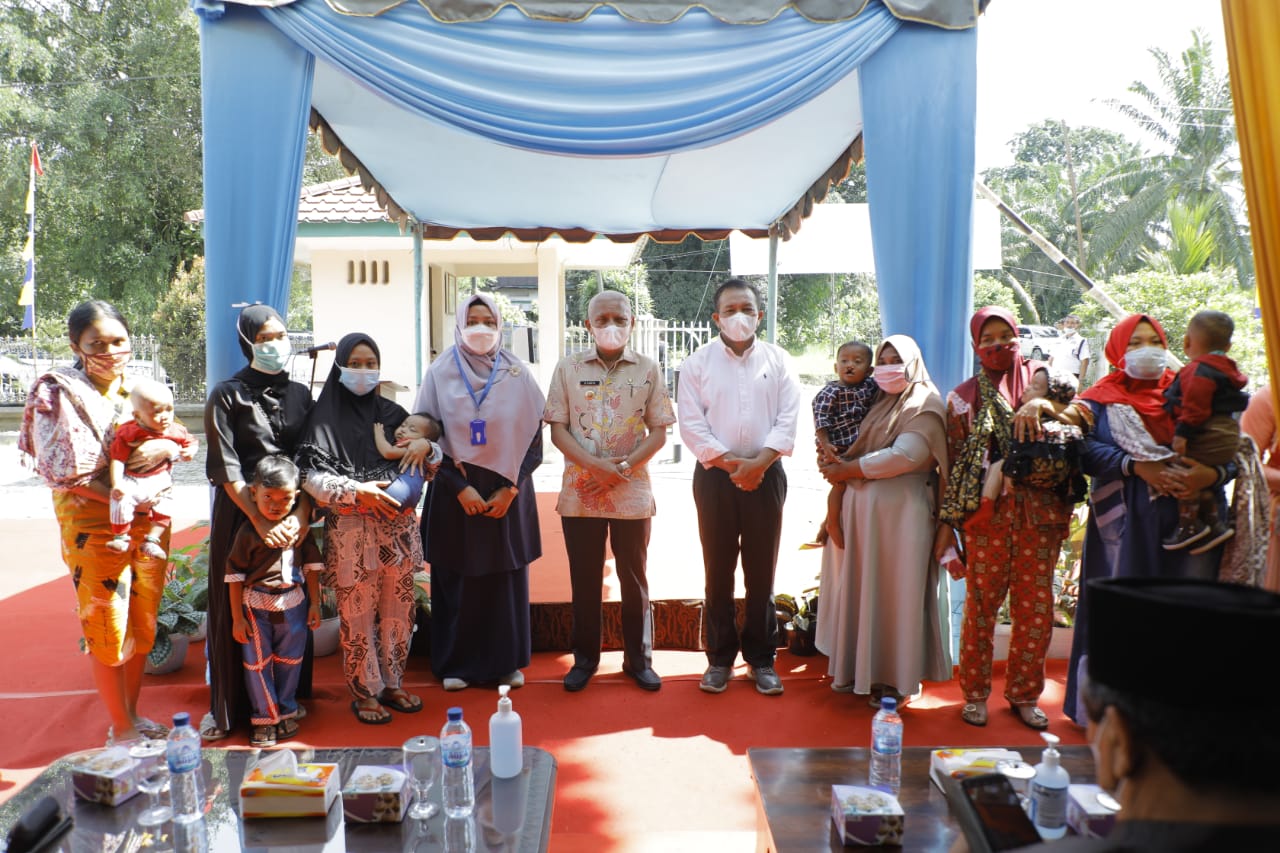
{"x": 506, "y": 744}
{"x": 1049, "y": 792}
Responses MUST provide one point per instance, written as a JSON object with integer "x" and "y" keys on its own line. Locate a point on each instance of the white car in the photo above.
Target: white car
{"x": 1038, "y": 342}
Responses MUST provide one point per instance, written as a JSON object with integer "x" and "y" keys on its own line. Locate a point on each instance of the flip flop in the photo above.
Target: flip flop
{"x": 381, "y": 720}
{"x": 263, "y": 737}
{"x": 151, "y": 729}
{"x": 974, "y": 714}
{"x": 209, "y": 729}
{"x": 410, "y": 704}
{"x": 286, "y": 729}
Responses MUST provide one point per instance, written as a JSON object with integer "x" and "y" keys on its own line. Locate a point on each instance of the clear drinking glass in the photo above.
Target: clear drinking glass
{"x": 422, "y": 765}
{"x": 153, "y": 782}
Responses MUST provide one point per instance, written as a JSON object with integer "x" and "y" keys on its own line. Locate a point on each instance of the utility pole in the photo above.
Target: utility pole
{"x": 1075, "y": 194}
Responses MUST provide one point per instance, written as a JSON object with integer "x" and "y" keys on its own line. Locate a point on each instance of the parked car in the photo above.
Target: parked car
{"x": 1037, "y": 342}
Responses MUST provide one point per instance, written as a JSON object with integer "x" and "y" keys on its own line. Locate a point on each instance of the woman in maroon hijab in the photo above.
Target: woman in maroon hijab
{"x": 1013, "y": 551}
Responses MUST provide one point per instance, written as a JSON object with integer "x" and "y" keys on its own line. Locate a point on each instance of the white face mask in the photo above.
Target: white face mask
{"x": 892, "y": 378}
{"x": 739, "y": 327}
{"x": 1145, "y": 362}
{"x": 1068, "y": 331}
{"x": 357, "y": 380}
{"x": 480, "y": 338}
{"x": 611, "y": 338}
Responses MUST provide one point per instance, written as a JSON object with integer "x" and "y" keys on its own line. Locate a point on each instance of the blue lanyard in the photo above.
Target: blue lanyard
{"x": 493, "y": 374}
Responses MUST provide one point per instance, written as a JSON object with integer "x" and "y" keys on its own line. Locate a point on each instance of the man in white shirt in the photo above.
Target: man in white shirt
{"x": 1072, "y": 353}
{"x": 738, "y": 405}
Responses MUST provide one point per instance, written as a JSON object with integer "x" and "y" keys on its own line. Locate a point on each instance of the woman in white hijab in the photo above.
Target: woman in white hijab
{"x": 882, "y": 608}
{"x": 480, "y": 529}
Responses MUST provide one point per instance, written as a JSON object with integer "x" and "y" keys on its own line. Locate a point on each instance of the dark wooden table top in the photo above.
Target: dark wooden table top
{"x": 510, "y": 814}
{"x": 794, "y": 791}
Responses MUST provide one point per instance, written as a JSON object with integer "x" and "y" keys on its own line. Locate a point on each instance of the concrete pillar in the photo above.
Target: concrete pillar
{"x": 550, "y": 311}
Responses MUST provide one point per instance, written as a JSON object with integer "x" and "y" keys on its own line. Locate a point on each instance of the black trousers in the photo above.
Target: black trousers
{"x": 584, "y": 540}
{"x": 733, "y": 523}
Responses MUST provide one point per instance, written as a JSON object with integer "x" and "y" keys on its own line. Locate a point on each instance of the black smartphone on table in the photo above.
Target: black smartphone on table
{"x": 990, "y": 813}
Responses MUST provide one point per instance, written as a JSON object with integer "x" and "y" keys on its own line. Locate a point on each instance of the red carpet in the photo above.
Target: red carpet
{"x": 637, "y": 771}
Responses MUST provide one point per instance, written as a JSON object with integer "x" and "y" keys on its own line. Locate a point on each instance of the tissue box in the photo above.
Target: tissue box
{"x": 1085, "y": 815}
{"x": 306, "y": 790}
{"x": 109, "y": 776}
{"x": 376, "y": 793}
{"x": 866, "y": 816}
{"x": 959, "y": 763}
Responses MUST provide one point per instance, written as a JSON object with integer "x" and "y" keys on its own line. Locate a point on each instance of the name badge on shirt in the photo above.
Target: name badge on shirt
{"x": 589, "y": 382}
{"x": 477, "y": 432}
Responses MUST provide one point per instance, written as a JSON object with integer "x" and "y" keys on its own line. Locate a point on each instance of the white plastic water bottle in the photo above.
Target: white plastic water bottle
{"x": 455, "y": 752}
{"x": 186, "y": 776}
{"x": 886, "y": 747}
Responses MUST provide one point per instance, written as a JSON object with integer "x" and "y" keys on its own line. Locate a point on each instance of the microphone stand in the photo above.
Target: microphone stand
{"x": 311, "y": 388}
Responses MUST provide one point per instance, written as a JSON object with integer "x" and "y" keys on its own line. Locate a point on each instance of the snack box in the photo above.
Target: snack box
{"x": 866, "y": 817}
{"x": 959, "y": 763}
{"x": 1088, "y": 814}
{"x": 376, "y": 793}
{"x": 110, "y": 776}
{"x": 306, "y": 791}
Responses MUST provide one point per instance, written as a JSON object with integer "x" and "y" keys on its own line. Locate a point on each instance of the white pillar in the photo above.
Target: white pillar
{"x": 550, "y": 311}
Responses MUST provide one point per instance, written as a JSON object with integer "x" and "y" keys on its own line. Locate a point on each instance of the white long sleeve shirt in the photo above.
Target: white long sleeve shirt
{"x": 738, "y": 404}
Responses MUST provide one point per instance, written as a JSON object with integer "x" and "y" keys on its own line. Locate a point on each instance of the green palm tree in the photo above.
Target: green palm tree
{"x": 1189, "y": 111}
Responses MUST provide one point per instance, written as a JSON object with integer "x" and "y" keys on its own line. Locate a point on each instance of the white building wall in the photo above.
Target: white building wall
{"x": 384, "y": 310}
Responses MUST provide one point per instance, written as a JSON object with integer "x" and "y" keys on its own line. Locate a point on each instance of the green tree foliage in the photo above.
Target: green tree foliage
{"x": 1048, "y": 195}
{"x": 1189, "y": 110}
{"x": 584, "y": 284}
{"x": 1173, "y": 299}
{"x": 683, "y": 276}
{"x": 110, "y": 90}
{"x": 179, "y": 327}
{"x": 990, "y": 291}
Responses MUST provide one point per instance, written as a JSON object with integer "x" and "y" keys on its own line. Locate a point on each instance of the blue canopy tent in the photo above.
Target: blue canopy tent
{"x": 585, "y": 119}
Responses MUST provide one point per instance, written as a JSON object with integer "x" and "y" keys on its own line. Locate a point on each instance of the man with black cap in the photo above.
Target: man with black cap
{"x": 1183, "y": 678}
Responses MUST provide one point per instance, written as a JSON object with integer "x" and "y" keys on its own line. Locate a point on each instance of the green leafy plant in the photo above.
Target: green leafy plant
{"x": 421, "y": 580}
{"x": 176, "y": 616}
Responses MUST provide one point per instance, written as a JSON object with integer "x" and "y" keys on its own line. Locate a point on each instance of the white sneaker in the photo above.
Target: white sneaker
{"x": 455, "y": 684}
{"x": 514, "y": 680}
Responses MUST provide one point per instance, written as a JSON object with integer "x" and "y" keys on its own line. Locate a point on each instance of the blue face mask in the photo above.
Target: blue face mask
{"x": 271, "y": 356}
{"x": 358, "y": 381}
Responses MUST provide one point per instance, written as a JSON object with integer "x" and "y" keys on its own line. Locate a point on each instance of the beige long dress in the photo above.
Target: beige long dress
{"x": 883, "y": 612}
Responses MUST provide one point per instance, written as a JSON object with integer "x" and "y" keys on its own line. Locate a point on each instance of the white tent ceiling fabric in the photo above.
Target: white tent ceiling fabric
{"x": 690, "y": 189}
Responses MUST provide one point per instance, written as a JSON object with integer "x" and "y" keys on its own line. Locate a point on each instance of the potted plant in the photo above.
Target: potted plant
{"x": 325, "y": 639}
{"x": 801, "y": 620}
{"x": 191, "y": 572}
{"x": 420, "y": 644}
{"x": 175, "y": 621}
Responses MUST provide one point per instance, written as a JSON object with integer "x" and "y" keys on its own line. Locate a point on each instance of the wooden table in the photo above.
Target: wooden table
{"x": 793, "y": 795}
{"x": 510, "y": 814}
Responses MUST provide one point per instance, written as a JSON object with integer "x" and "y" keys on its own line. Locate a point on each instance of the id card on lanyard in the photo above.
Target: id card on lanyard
{"x": 477, "y": 425}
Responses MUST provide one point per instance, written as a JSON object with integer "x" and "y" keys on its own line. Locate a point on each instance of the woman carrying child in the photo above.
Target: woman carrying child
{"x": 882, "y": 608}
{"x": 1013, "y": 552}
{"x": 371, "y": 547}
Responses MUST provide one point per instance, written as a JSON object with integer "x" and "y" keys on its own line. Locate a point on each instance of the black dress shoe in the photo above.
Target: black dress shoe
{"x": 578, "y": 677}
{"x": 646, "y": 678}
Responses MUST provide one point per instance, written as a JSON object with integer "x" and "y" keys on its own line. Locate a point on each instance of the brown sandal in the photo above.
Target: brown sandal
{"x": 1031, "y": 716}
{"x": 975, "y": 713}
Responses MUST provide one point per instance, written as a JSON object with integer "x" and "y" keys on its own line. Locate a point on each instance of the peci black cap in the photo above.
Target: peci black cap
{"x": 1184, "y": 643}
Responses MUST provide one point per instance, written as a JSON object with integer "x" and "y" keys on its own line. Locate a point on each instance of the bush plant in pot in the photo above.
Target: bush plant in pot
{"x": 420, "y": 644}
{"x": 175, "y": 621}
{"x": 801, "y": 620}
{"x": 325, "y": 639}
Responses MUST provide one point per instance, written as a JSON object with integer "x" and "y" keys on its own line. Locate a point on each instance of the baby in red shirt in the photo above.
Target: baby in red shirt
{"x": 150, "y": 491}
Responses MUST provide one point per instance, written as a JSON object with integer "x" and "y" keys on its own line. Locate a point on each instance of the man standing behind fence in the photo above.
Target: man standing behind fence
{"x": 609, "y": 411}
{"x": 738, "y": 408}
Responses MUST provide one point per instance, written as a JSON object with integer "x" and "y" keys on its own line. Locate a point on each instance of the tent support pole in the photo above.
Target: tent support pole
{"x": 417, "y": 300}
{"x": 772, "y": 316}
